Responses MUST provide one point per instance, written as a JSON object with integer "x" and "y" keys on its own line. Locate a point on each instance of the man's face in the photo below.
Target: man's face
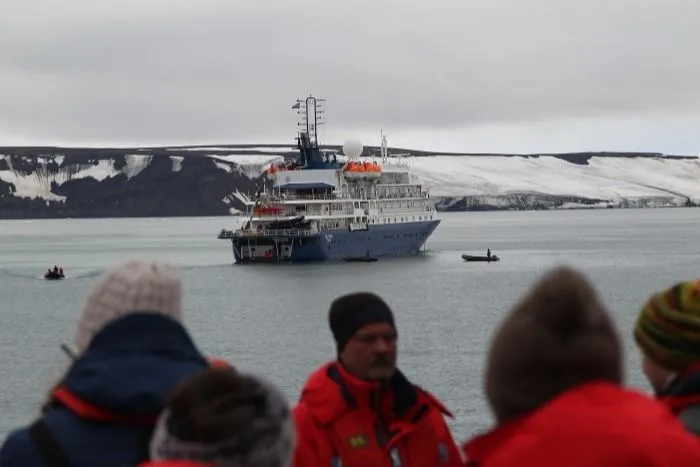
{"x": 371, "y": 352}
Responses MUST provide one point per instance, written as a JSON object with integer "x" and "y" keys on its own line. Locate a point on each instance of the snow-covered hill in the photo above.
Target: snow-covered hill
{"x": 59, "y": 179}
{"x": 614, "y": 181}
{"x": 502, "y": 181}
{"x": 602, "y": 177}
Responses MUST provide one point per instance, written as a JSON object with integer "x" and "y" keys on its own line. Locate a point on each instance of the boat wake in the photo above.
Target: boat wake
{"x": 87, "y": 273}
{"x": 40, "y": 276}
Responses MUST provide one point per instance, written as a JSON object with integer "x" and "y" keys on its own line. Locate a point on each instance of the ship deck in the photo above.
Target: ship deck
{"x": 268, "y": 233}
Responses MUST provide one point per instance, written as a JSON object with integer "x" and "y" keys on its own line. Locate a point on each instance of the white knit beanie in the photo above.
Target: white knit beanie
{"x": 131, "y": 287}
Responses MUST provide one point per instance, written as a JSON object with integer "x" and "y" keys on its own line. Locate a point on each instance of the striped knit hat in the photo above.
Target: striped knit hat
{"x": 668, "y": 327}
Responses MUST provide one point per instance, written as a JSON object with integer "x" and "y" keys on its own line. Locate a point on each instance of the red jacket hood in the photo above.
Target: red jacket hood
{"x": 593, "y": 424}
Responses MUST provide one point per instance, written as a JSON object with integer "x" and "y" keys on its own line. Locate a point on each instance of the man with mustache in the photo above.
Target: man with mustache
{"x": 360, "y": 410}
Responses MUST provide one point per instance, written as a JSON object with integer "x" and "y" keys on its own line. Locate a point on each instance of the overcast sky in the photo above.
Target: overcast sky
{"x": 461, "y": 75}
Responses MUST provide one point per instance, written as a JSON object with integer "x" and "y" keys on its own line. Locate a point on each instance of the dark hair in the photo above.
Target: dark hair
{"x": 214, "y": 405}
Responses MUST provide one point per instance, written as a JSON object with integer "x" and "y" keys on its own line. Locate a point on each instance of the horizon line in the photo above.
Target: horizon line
{"x": 293, "y": 147}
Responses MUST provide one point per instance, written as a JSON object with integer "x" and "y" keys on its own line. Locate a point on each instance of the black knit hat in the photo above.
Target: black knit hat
{"x": 351, "y": 312}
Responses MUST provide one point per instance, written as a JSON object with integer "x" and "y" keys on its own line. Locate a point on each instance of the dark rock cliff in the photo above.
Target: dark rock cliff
{"x": 161, "y": 186}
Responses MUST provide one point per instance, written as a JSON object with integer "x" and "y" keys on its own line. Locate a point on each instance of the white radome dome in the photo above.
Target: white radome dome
{"x": 352, "y": 149}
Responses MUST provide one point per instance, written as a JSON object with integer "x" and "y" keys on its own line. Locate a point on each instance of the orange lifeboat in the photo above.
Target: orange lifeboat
{"x": 362, "y": 170}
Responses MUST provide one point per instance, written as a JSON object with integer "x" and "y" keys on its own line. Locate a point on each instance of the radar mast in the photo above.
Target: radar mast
{"x": 310, "y": 113}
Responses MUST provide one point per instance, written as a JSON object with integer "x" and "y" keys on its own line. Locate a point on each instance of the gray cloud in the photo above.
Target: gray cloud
{"x": 228, "y": 70}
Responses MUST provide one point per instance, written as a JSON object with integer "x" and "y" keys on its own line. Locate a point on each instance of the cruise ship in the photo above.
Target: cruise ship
{"x": 319, "y": 207}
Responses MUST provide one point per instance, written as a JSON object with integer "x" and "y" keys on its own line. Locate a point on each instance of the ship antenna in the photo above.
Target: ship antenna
{"x": 384, "y": 149}
{"x": 310, "y": 113}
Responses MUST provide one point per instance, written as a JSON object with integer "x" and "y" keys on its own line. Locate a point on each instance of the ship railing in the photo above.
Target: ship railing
{"x": 276, "y": 233}
{"x": 288, "y": 196}
{"x": 345, "y": 197}
{"x": 407, "y": 197}
{"x": 350, "y": 197}
{"x": 397, "y": 163}
{"x": 404, "y": 209}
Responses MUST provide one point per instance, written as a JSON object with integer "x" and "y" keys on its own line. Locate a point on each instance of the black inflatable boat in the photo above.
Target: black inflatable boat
{"x": 486, "y": 259}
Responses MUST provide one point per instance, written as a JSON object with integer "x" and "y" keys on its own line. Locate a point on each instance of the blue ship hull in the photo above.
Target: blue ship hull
{"x": 379, "y": 240}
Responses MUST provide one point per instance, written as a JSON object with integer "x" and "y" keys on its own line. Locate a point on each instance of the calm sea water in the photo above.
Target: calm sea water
{"x": 273, "y": 318}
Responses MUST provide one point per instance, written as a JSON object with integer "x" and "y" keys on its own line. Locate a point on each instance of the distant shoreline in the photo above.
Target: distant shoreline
{"x": 54, "y": 215}
{"x": 289, "y": 149}
{"x": 97, "y": 183}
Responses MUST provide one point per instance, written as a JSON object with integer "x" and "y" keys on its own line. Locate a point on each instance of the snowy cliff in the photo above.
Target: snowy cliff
{"x": 186, "y": 181}
{"x": 531, "y": 182}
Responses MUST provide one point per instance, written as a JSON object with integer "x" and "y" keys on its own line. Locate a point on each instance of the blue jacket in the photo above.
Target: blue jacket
{"x": 129, "y": 368}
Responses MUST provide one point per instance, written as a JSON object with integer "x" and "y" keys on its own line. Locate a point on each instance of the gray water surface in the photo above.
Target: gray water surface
{"x": 272, "y": 319}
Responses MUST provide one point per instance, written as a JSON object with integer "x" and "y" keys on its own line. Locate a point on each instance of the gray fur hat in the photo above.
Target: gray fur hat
{"x": 249, "y": 425}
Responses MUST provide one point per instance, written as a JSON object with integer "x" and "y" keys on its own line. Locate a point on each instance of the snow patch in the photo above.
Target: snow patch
{"x": 104, "y": 169}
{"x": 250, "y": 165}
{"x": 224, "y": 167}
{"x": 177, "y": 163}
{"x": 29, "y": 187}
{"x": 35, "y": 185}
{"x": 135, "y": 163}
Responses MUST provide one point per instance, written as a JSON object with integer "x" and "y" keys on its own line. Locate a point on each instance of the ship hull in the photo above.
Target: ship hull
{"x": 379, "y": 240}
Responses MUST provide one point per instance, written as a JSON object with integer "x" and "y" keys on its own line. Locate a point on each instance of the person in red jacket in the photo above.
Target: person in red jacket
{"x": 553, "y": 382}
{"x": 360, "y": 410}
{"x": 668, "y": 334}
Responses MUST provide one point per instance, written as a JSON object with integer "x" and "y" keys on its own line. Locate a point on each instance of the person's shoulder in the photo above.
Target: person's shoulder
{"x": 690, "y": 418}
{"x": 18, "y": 450}
{"x": 432, "y": 401}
